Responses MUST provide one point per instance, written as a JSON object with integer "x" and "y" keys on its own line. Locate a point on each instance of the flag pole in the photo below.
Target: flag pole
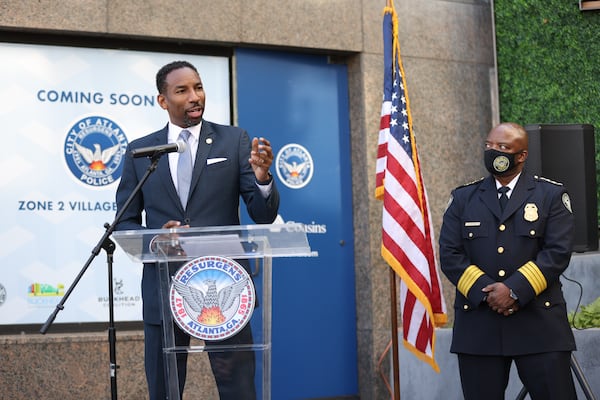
{"x": 395, "y": 349}
{"x": 394, "y": 311}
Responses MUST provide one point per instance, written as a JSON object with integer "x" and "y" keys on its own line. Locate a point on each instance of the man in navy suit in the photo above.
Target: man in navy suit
{"x": 227, "y": 165}
{"x": 505, "y": 257}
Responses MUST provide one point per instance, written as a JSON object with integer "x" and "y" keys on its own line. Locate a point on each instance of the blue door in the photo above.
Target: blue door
{"x": 300, "y": 103}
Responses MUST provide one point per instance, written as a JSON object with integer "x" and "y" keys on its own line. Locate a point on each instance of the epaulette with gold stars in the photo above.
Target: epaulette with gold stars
{"x": 460, "y": 187}
{"x": 470, "y": 183}
{"x": 541, "y": 178}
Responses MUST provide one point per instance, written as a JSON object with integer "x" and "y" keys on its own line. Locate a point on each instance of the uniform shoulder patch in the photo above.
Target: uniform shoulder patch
{"x": 567, "y": 202}
{"x": 541, "y": 178}
{"x": 471, "y": 183}
{"x": 450, "y": 200}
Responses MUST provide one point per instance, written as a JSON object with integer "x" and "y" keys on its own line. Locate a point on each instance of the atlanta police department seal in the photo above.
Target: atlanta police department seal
{"x": 94, "y": 149}
{"x": 212, "y": 298}
{"x": 501, "y": 163}
{"x": 294, "y": 166}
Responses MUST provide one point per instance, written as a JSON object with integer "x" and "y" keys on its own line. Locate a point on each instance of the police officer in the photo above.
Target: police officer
{"x": 504, "y": 250}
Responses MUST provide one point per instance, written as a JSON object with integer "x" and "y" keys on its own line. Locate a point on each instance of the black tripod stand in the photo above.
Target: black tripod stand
{"x": 587, "y": 391}
{"x": 109, "y": 246}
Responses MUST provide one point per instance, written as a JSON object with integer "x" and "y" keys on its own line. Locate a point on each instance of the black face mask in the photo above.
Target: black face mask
{"x": 499, "y": 163}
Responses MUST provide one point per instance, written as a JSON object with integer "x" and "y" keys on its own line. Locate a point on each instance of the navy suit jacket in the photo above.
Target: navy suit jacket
{"x": 527, "y": 247}
{"x": 221, "y": 175}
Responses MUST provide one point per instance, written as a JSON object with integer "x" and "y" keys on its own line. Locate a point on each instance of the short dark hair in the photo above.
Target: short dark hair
{"x": 161, "y": 75}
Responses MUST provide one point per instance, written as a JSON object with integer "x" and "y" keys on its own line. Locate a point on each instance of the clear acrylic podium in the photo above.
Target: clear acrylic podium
{"x": 258, "y": 244}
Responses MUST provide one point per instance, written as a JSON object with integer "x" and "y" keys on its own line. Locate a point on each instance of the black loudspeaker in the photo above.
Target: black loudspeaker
{"x": 566, "y": 153}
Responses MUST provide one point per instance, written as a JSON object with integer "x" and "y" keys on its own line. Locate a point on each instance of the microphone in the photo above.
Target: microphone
{"x": 180, "y": 146}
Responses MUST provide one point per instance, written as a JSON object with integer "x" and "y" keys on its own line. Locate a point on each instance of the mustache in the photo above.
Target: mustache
{"x": 195, "y": 105}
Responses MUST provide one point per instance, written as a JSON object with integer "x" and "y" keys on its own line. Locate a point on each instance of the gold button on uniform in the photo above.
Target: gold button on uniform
{"x": 501, "y": 272}
{"x": 465, "y": 307}
{"x": 532, "y": 232}
{"x": 470, "y": 234}
{"x": 500, "y": 250}
{"x": 502, "y": 227}
{"x": 547, "y": 304}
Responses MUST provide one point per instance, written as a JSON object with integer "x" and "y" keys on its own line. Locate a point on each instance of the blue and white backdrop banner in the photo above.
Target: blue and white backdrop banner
{"x": 67, "y": 115}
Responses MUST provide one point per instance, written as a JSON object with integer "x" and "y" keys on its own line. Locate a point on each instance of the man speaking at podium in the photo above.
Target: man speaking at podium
{"x": 201, "y": 186}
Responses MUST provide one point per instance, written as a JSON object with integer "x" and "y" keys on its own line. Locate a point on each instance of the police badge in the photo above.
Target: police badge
{"x": 531, "y": 212}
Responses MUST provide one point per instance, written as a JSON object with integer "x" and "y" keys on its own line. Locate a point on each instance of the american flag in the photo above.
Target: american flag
{"x": 407, "y": 240}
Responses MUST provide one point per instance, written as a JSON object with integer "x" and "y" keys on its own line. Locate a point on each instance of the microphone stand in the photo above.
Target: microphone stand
{"x": 109, "y": 246}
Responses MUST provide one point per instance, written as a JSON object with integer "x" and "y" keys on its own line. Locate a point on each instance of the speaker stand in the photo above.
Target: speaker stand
{"x": 583, "y": 383}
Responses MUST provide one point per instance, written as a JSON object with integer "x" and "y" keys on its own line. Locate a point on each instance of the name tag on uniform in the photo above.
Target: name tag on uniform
{"x": 472, "y": 223}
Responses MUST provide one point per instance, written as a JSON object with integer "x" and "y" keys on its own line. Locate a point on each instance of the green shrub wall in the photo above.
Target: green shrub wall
{"x": 549, "y": 63}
